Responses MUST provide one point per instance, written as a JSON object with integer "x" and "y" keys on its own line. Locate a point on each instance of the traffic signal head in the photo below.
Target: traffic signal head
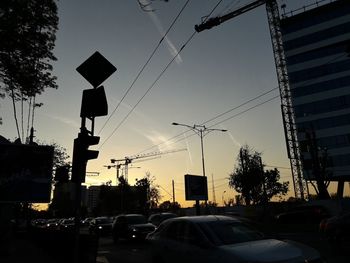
{"x": 82, "y": 154}
{"x": 87, "y": 141}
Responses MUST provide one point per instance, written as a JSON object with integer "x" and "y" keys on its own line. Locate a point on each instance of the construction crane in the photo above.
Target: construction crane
{"x": 300, "y": 186}
{"x": 129, "y": 159}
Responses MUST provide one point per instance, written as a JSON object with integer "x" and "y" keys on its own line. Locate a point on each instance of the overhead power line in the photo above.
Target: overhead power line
{"x": 218, "y": 116}
{"x": 166, "y": 191}
{"x": 240, "y": 113}
{"x": 156, "y": 80}
{"x": 265, "y": 93}
{"x": 241, "y": 105}
{"x": 144, "y": 66}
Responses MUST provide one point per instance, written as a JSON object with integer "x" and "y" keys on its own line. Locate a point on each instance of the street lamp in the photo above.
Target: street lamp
{"x": 200, "y": 130}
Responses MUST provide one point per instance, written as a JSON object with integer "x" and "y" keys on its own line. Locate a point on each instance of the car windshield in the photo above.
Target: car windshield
{"x": 106, "y": 220}
{"x": 68, "y": 221}
{"x": 226, "y": 232}
{"x": 136, "y": 219}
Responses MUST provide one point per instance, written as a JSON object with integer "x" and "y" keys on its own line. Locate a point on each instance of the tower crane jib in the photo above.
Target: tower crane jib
{"x": 129, "y": 159}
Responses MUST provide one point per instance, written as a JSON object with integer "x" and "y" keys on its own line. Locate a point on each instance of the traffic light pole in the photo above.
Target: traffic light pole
{"x": 78, "y": 172}
{"x": 95, "y": 70}
{"x": 81, "y": 155}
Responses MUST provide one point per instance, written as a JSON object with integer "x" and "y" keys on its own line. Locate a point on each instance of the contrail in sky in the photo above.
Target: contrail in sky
{"x": 189, "y": 152}
{"x": 235, "y": 142}
{"x": 64, "y": 120}
{"x": 172, "y": 49}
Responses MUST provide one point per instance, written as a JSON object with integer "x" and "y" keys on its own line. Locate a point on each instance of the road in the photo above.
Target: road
{"x": 332, "y": 252}
{"x": 137, "y": 252}
{"x": 122, "y": 252}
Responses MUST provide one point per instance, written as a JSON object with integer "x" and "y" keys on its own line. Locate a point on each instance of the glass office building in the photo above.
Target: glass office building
{"x": 317, "y": 50}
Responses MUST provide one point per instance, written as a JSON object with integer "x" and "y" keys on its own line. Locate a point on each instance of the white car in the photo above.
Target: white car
{"x": 222, "y": 239}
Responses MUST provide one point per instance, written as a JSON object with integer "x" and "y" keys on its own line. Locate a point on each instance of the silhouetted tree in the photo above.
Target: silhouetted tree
{"x": 229, "y": 202}
{"x": 253, "y": 183}
{"x": 320, "y": 163}
{"x": 208, "y": 204}
{"x": 169, "y": 206}
{"x": 273, "y": 188}
{"x": 147, "y": 185}
{"x": 61, "y": 203}
{"x": 60, "y": 155}
{"x": 27, "y": 33}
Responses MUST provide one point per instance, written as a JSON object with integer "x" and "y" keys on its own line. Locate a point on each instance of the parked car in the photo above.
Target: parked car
{"x": 306, "y": 214}
{"x": 336, "y": 227}
{"x": 215, "y": 238}
{"x": 52, "y": 224}
{"x": 86, "y": 221}
{"x": 38, "y": 223}
{"x": 101, "y": 225}
{"x": 131, "y": 226}
{"x": 67, "y": 225}
{"x": 158, "y": 218}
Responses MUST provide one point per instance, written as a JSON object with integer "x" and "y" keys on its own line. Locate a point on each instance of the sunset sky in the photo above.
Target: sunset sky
{"x": 216, "y": 72}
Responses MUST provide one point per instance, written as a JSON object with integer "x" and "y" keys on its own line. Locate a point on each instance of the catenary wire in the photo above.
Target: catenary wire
{"x": 156, "y": 80}
{"x": 174, "y": 137}
{"x": 147, "y": 91}
{"x": 165, "y": 191}
{"x": 228, "y": 110}
{"x": 231, "y": 117}
{"x": 217, "y": 116}
{"x": 144, "y": 66}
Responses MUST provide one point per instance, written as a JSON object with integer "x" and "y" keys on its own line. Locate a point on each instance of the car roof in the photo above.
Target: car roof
{"x": 128, "y": 215}
{"x": 163, "y": 214}
{"x": 205, "y": 218}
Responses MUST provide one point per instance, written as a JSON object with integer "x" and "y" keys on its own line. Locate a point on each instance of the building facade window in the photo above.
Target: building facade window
{"x": 316, "y": 45}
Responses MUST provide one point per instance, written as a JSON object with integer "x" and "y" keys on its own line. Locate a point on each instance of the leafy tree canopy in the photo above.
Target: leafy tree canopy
{"x": 27, "y": 33}
{"x": 252, "y": 182}
{"x": 169, "y": 206}
{"x": 153, "y": 194}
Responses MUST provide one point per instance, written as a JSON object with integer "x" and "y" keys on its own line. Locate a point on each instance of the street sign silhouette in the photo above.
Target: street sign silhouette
{"x": 96, "y": 69}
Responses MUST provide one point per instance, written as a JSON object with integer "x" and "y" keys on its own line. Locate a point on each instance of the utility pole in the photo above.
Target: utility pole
{"x": 263, "y": 179}
{"x": 212, "y": 182}
{"x": 173, "y": 184}
{"x": 200, "y": 130}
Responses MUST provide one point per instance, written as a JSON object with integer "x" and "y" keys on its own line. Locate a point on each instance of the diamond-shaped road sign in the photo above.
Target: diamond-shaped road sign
{"x": 96, "y": 69}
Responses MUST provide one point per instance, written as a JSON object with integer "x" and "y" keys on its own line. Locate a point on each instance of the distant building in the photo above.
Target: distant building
{"x": 93, "y": 193}
{"x": 317, "y": 47}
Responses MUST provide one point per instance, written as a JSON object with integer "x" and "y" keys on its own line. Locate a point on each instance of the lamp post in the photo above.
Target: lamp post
{"x": 200, "y": 130}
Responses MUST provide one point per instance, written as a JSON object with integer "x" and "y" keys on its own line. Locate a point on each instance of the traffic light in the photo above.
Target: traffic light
{"x": 82, "y": 154}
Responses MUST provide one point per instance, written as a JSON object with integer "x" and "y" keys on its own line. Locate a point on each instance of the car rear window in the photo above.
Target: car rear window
{"x": 136, "y": 219}
{"x": 232, "y": 232}
{"x": 103, "y": 220}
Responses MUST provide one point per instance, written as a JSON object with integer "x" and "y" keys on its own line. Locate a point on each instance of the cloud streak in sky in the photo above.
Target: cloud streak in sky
{"x": 67, "y": 121}
{"x": 235, "y": 142}
{"x": 171, "y": 47}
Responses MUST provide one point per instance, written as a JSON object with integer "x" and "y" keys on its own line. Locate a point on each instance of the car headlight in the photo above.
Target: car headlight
{"x": 100, "y": 227}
